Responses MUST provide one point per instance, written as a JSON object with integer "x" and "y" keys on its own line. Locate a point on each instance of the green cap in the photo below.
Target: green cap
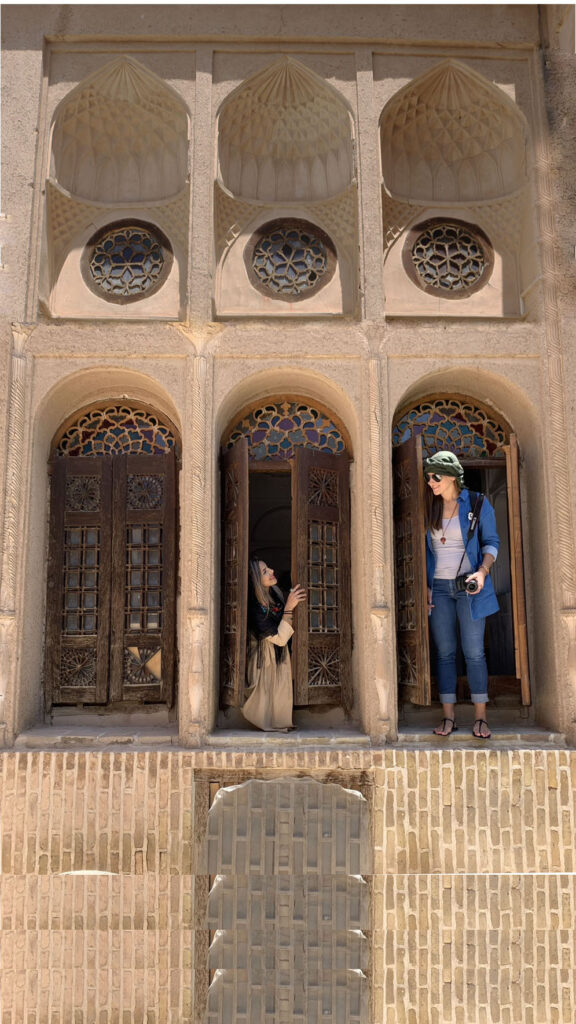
{"x": 446, "y": 464}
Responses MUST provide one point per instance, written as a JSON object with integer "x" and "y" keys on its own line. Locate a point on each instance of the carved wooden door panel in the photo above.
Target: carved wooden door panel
{"x": 410, "y": 554}
{"x": 111, "y": 580}
{"x": 517, "y": 568}
{"x": 321, "y": 650}
{"x": 143, "y": 615}
{"x": 234, "y": 562}
{"x": 78, "y": 598}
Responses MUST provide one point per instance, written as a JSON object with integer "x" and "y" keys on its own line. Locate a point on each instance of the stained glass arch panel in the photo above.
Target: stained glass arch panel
{"x": 276, "y": 428}
{"x": 453, "y": 423}
{"x": 115, "y": 429}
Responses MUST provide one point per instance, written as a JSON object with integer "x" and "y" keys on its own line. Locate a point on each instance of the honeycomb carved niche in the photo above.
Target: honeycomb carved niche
{"x": 285, "y": 136}
{"x": 452, "y": 136}
{"x": 121, "y": 136}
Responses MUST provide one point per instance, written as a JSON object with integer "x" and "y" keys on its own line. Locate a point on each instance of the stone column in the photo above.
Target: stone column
{"x": 12, "y": 539}
{"x": 197, "y": 556}
{"x": 370, "y": 198}
{"x": 380, "y": 617}
{"x": 559, "y": 486}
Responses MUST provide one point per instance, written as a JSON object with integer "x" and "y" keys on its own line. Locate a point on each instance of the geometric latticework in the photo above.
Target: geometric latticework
{"x": 143, "y": 594}
{"x": 288, "y": 908}
{"x": 323, "y": 578}
{"x": 116, "y": 430}
{"x": 126, "y": 261}
{"x": 81, "y": 576}
{"x": 448, "y": 257}
{"x": 457, "y": 425}
{"x": 275, "y": 430}
{"x": 322, "y": 487}
{"x": 290, "y": 259}
{"x": 78, "y": 666}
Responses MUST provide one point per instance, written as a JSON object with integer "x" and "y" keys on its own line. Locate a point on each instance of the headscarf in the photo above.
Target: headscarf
{"x": 446, "y": 464}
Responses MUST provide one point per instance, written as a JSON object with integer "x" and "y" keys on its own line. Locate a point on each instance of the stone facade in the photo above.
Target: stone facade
{"x": 208, "y": 124}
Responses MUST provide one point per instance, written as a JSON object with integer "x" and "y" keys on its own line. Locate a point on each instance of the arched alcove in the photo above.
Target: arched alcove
{"x": 121, "y": 136}
{"x": 55, "y": 412}
{"x": 483, "y": 440}
{"x": 452, "y": 136}
{"x": 285, "y": 135}
{"x": 285, "y": 497}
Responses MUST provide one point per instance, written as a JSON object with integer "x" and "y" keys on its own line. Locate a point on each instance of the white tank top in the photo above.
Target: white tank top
{"x": 448, "y": 555}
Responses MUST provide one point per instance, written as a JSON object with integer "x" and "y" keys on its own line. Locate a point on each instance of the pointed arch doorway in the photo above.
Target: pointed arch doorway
{"x": 285, "y": 496}
{"x": 488, "y": 451}
{"x": 112, "y": 569}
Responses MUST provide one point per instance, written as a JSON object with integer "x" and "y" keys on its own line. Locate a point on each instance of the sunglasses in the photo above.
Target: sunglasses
{"x": 436, "y": 477}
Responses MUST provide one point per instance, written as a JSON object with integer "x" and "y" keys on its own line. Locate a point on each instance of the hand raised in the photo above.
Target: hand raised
{"x": 296, "y": 595}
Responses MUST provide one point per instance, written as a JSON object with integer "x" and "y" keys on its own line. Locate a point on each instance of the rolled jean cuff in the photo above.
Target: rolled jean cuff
{"x": 479, "y": 698}
{"x": 447, "y": 698}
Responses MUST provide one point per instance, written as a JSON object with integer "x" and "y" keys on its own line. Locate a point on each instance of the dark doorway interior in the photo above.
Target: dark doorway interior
{"x": 270, "y": 522}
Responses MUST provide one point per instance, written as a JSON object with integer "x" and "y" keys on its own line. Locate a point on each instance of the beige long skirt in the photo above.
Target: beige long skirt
{"x": 269, "y": 702}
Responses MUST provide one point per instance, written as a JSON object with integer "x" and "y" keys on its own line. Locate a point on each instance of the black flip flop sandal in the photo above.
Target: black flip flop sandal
{"x": 443, "y": 726}
{"x": 478, "y": 735}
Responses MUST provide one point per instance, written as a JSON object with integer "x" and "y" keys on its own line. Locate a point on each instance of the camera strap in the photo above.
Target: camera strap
{"x": 474, "y": 517}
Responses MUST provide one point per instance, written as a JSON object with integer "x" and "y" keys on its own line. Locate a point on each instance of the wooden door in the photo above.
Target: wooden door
{"x": 110, "y": 634}
{"x": 234, "y": 576}
{"x": 143, "y": 617}
{"x": 410, "y": 555}
{"x": 517, "y": 568}
{"x": 78, "y": 596}
{"x": 322, "y": 642}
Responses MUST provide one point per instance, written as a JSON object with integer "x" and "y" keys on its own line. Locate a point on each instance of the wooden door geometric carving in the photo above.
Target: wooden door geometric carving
{"x": 410, "y": 559}
{"x": 321, "y": 563}
{"x": 110, "y": 633}
{"x": 234, "y": 575}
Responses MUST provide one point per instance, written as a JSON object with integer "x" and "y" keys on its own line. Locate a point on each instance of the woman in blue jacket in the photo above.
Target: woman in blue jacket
{"x": 449, "y": 554}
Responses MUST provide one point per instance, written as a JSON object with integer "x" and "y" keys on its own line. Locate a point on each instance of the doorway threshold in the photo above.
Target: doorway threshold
{"x": 333, "y": 739}
{"x": 509, "y": 731}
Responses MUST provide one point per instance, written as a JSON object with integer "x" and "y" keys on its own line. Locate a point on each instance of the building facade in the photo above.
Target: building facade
{"x": 257, "y": 261}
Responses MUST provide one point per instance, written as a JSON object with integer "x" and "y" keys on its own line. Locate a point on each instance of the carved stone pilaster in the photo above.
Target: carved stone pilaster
{"x": 377, "y": 517}
{"x": 197, "y": 675}
{"x": 380, "y": 612}
{"x": 12, "y": 517}
{"x": 7, "y": 661}
{"x": 383, "y": 644}
{"x": 196, "y": 659}
{"x": 560, "y": 487}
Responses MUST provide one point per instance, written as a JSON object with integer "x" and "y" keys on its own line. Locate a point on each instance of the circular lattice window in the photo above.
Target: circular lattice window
{"x": 448, "y": 258}
{"x": 127, "y": 261}
{"x": 290, "y": 259}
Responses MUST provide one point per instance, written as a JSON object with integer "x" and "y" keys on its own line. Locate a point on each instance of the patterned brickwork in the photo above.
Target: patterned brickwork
{"x": 475, "y": 949}
{"x": 473, "y": 896}
{"x": 482, "y": 811}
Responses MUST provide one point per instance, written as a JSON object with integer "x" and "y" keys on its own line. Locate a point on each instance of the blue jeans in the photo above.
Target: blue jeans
{"x": 452, "y": 607}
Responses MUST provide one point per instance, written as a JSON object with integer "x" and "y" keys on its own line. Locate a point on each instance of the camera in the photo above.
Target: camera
{"x": 461, "y": 584}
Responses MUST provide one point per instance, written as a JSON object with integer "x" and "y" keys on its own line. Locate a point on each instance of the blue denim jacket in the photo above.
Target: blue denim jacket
{"x": 484, "y": 542}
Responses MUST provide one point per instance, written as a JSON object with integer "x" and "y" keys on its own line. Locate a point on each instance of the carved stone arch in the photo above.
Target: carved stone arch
{"x": 121, "y": 136}
{"x": 285, "y": 135}
{"x": 452, "y": 136}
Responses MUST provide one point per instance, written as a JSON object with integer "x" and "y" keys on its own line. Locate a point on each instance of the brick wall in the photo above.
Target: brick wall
{"x": 473, "y": 895}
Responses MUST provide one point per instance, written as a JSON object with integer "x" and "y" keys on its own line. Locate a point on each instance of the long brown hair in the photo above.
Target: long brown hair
{"x": 266, "y": 596}
{"x": 435, "y": 507}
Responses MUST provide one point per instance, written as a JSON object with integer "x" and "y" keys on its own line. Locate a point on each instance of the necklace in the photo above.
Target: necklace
{"x": 445, "y": 528}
